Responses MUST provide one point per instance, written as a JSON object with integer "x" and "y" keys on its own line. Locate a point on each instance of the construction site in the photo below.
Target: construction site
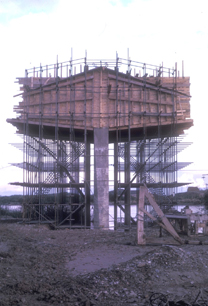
{"x": 90, "y": 127}
{"x": 101, "y": 142}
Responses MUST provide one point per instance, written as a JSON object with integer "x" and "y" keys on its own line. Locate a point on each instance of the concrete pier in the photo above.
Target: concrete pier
{"x": 101, "y": 188}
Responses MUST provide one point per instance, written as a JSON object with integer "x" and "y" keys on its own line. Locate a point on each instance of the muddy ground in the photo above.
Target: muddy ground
{"x": 39, "y": 266}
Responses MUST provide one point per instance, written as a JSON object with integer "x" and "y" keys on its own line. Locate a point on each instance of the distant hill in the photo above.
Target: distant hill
{"x": 11, "y": 199}
{"x": 193, "y": 196}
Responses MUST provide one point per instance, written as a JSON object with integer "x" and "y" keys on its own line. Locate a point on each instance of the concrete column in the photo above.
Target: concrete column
{"x": 76, "y": 165}
{"x": 140, "y": 218}
{"x": 87, "y": 183}
{"x": 128, "y": 189}
{"x": 101, "y": 187}
{"x": 115, "y": 182}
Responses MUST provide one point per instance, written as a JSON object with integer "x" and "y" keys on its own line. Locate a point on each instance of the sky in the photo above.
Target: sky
{"x": 155, "y": 31}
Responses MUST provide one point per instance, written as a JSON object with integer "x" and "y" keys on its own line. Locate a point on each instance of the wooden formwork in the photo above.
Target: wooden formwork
{"x": 102, "y": 98}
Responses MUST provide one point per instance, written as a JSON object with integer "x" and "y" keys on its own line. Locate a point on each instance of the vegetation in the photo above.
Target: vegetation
{"x": 9, "y": 213}
{"x": 186, "y": 198}
{"x": 206, "y": 199}
{"x": 4, "y": 200}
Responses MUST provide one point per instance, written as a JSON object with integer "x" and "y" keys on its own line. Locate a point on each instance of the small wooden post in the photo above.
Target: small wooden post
{"x": 140, "y": 217}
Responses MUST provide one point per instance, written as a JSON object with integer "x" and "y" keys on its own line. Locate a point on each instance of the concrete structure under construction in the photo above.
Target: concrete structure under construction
{"x": 71, "y": 122}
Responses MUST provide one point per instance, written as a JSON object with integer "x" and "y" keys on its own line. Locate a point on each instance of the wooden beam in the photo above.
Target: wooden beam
{"x": 161, "y": 215}
{"x": 163, "y": 221}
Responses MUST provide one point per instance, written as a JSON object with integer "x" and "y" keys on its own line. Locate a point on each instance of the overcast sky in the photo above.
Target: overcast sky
{"x": 155, "y": 31}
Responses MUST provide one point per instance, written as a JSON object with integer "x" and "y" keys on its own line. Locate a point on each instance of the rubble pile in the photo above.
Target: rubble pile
{"x": 43, "y": 267}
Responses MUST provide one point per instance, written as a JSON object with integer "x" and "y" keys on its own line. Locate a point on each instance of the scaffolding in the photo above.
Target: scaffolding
{"x": 146, "y": 110}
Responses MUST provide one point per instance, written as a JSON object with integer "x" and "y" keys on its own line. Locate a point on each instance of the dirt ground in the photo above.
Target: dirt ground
{"x": 39, "y": 266}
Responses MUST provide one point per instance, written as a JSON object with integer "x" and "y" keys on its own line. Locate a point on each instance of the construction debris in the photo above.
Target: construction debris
{"x": 41, "y": 267}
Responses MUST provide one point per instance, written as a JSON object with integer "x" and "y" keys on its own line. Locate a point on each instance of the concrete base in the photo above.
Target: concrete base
{"x": 101, "y": 176}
